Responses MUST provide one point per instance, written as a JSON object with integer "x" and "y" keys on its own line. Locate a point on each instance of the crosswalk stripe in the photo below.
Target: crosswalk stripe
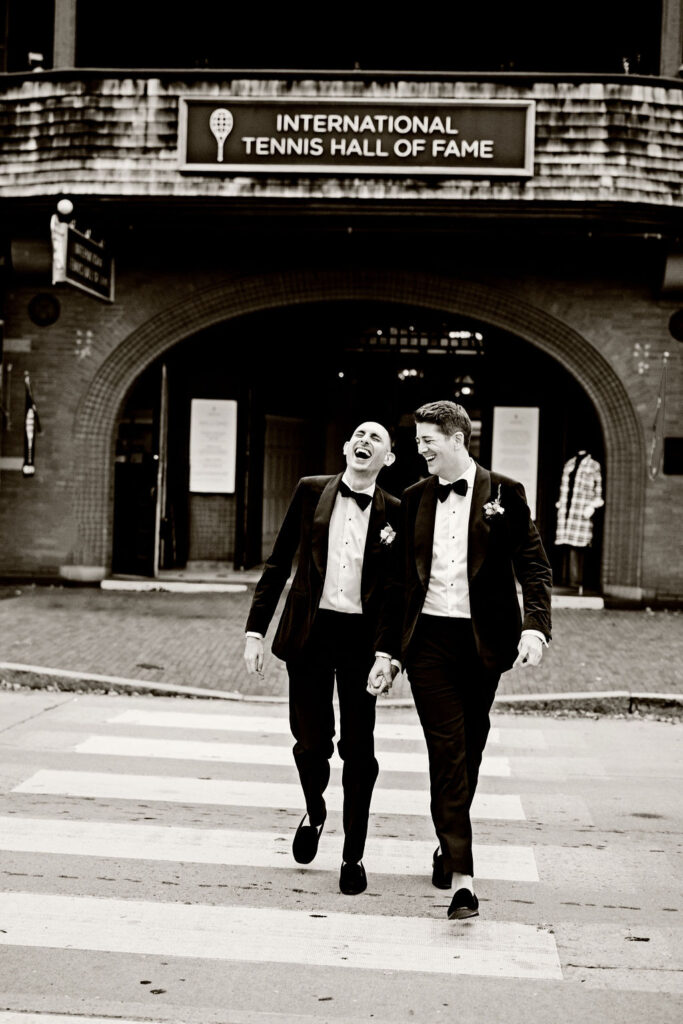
{"x": 241, "y": 847}
{"x": 24, "y": 1017}
{"x": 509, "y": 737}
{"x": 246, "y": 753}
{"x": 245, "y": 934}
{"x": 177, "y": 789}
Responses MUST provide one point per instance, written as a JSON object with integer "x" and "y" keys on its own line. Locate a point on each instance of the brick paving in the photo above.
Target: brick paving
{"x": 197, "y": 640}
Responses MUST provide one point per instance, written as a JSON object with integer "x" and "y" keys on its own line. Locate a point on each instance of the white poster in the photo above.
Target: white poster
{"x": 213, "y": 446}
{"x": 515, "y": 447}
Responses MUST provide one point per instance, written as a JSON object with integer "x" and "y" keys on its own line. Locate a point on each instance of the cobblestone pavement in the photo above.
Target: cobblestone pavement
{"x": 197, "y": 640}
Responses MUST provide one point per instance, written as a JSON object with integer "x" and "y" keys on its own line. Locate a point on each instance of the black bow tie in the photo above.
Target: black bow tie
{"x": 362, "y": 500}
{"x": 460, "y": 487}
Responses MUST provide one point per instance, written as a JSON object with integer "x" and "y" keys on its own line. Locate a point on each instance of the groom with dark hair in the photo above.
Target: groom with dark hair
{"x": 343, "y": 527}
{"x": 452, "y": 617}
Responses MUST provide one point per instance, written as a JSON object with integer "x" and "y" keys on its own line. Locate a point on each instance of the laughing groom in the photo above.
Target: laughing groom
{"x": 343, "y": 527}
{"x": 453, "y": 618}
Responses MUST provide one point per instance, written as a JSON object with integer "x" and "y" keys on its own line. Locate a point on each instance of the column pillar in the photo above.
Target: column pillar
{"x": 671, "y": 49}
{"x": 64, "y": 47}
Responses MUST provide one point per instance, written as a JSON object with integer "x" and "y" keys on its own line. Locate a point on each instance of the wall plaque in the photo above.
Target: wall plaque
{"x": 213, "y": 440}
{"x": 515, "y": 447}
{"x": 471, "y": 138}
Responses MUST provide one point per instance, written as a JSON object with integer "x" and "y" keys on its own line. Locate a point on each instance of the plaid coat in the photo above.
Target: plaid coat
{"x": 574, "y": 514}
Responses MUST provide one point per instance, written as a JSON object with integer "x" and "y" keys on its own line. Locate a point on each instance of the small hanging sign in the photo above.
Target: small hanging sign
{"x": 78, "y": 260}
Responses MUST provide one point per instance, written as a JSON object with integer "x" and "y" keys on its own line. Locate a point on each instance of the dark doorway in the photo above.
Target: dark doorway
{"x": 303, "y": 378}
{"x": 136, "y": 475}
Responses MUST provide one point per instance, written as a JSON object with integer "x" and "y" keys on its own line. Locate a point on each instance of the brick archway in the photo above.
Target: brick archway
{"x": 624, "y": 443}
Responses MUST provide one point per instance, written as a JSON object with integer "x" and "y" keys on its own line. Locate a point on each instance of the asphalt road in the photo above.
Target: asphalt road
{"x": 146, "y": 873}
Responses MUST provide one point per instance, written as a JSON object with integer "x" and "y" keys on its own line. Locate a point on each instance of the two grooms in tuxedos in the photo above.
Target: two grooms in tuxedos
{"x": 343, "y": 527}
{"x": 452, "y": 618}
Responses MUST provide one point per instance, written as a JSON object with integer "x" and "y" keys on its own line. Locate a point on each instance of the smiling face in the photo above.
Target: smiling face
{"x": 445, "y": 455}
{"x": 368, "y": 449}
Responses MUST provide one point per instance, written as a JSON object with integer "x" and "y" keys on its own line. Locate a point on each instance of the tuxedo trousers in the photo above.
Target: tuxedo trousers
{"x": 453, "y": 694}
{"x": 340, "y": 646}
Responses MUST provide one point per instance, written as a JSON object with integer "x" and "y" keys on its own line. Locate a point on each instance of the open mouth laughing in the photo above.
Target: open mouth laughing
{"x": 364, "y": 454}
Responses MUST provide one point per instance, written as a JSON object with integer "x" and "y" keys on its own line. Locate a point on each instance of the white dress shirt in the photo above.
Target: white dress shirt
{"x": 348, "y": 533}
{"x": 448, "y": 593}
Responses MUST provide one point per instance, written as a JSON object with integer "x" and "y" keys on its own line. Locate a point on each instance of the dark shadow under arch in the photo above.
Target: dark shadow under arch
{"x": 624, "y": 443}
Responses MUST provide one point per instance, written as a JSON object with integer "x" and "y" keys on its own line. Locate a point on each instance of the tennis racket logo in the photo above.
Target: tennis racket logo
{"x": 220, "y": 123}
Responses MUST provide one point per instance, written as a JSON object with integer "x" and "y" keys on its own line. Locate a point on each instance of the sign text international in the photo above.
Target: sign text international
{"x": 447, "y": 137}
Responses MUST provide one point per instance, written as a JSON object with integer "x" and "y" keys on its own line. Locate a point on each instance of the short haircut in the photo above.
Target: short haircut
{"x": 448, "y": 417}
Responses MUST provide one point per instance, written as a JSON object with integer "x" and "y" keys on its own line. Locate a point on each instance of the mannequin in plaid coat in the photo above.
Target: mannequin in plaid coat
{"x": 580, "y": 495}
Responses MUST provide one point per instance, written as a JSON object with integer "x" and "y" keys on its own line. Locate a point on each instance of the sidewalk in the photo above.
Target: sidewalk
{"x": 196, "y": 640}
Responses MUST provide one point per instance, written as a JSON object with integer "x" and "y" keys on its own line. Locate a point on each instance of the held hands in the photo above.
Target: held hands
{"x": 253, "y": 655}
{"x": 382, "y": 675}
{"x": 530, "y": 649}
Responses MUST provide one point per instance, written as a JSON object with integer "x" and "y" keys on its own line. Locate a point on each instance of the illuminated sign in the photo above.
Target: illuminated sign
{"x": 470, "y": 138}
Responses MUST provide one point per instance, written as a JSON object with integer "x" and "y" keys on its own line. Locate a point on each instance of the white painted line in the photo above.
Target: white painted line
{"x": 20, "y": 1017}
{"x": 517, "y": 738}
{"x": 239, "y": 847}
{"x": 217, "y": 722}
{"x": 247, "y": 934}
{"x": 247, "y": 753}
{"x": 174, "y": 789}
{"x": 270, "y": 724}
{"x": 576, "y": 601}
{"x": 557, "y": 767}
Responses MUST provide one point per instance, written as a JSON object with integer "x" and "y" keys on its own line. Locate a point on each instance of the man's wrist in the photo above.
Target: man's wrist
{"x": 394, "y": 661}
{"x": 537, "y": 633}
{"x": 256, "y": 636}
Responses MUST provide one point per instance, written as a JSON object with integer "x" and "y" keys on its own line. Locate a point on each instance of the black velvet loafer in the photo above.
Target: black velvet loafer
{"x": 352, "y": 879}
{"x": 464, "y": 904}
{"x": 440, "y": 878}
{"x": 306, "y": 839}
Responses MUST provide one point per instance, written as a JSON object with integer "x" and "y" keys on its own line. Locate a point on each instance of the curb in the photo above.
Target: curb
{"x": 173, "y": 587}
{"x": 240, "y": 583}
{"x": 38, "y": 677}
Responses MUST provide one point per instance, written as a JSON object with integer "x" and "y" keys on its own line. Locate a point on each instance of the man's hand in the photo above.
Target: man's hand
{"x": 530, "y": 649}
{"x": 381, "y": 676}
{"x": 253, "y": 655}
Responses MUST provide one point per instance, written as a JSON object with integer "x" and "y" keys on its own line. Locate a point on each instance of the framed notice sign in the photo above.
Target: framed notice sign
{"x": 213, "y": 446}
{"x": 471, "y": 138}
{"x": 515, "y": 447}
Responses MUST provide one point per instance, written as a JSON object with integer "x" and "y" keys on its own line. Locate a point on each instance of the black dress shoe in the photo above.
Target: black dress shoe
{"x": 352, "y": 879}
{"x": 464, "y": 904}
{"x": 440, "y": 878}
{"x": 306, "y": 839}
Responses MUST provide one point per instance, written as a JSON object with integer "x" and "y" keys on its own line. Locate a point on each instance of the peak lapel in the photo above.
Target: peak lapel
{"x": 321, "y": 523}
{"x": 479, "y": 529}
{"x": 378, "y": 519}
{"x": 424, "y": 530}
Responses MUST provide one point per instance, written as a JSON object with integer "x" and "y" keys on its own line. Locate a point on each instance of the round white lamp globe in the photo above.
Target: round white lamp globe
{"x": 65, "y": 207}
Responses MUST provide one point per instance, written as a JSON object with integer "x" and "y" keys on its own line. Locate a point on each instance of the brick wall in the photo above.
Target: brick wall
{"x": 82, "y": 366}
{"x": 212, "y": 528}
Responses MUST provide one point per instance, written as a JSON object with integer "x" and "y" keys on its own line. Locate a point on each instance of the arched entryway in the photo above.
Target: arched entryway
{"x": 624, "y": 449}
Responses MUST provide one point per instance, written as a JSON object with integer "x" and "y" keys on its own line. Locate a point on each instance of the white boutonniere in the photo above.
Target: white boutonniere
{"x": 387, "y": 534}
{"x": 494, "y": 508}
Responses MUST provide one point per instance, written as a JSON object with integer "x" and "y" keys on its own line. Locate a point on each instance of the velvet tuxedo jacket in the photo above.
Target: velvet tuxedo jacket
{"x": 500, "y": 548}
{"x": 306, "y": 528}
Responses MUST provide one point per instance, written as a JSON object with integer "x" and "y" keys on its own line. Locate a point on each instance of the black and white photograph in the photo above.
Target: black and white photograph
{"x": 341, "y": 512}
